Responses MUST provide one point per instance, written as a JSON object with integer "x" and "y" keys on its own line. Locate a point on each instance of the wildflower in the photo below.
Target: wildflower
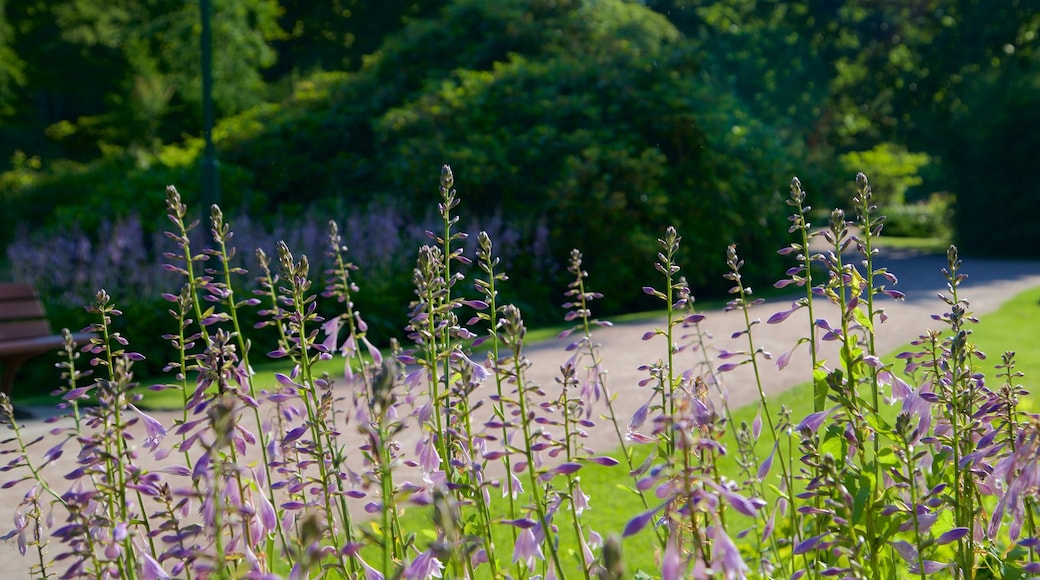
{"x": 784, "y": 314}
{"x": 154, "y": 429}
{"x": 726, "y": 558}
{"x": 151, "y": 569}
{"x": 672, "y": 565}
{"x": 527, "y": 549}
{"x": 425, "y": 565}
{"x": 579, "y": 499}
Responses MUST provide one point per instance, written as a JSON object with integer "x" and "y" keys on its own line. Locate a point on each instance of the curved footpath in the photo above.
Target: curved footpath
{"x": 990, "y": 282}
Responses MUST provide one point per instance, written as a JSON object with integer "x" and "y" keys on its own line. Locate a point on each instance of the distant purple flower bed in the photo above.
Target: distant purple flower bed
{"x": 914, "y": 466}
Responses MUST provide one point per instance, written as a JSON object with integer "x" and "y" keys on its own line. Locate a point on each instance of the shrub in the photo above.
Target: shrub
{"x": 578, "y": 119}
{"x": 926, "y": 471}
{"x": 931, "y": 218}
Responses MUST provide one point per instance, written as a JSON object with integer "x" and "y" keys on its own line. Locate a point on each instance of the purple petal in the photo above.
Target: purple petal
{"x": 566, "y": 468}
{"x": 766, "y": 465}
{"x": 951, "y": 536}
{"x": 807, "y": 545}
{"x": 638, "y": 523}
{"x": 782, "y": 315}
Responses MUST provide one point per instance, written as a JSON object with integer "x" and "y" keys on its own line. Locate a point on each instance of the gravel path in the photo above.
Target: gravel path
{"x": 990, "y": 282}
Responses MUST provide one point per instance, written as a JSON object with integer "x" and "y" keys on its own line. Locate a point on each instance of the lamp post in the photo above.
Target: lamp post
{"x": 210, "y": 177}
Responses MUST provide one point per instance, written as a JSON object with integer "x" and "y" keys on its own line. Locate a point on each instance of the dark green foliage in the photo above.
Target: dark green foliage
{"x": 595, "y": 123}
{"x": 593, "y": 116}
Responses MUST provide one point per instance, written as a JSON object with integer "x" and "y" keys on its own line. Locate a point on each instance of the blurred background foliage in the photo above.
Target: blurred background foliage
{"x": 569, "y": 123}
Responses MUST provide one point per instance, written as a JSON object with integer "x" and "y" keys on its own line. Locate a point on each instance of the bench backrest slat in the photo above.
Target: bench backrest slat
{"x": 21, "y": 313}
{"x": 13, "y": 310}
{"x": 24, "y": 329}
{"x": 15, "y": 291}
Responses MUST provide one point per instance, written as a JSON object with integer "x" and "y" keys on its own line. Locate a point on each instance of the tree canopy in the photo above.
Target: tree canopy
{"x": 602, "y": 120}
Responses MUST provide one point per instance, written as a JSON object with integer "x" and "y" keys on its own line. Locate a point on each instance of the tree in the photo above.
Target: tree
{"x": 336, "y": 34}
{"x": 12, "y": 68}
{"x": 141, "y": 60}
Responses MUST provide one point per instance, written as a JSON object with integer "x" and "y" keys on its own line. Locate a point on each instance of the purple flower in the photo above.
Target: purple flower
{"x": 479, "y": 371}
{"x": 725, "y": 558}
{"x": 638, "y": 523}
{"x": 566, "y": 468}
{"x": 785, "y": 358}
{"x": 808, "y": 545}
{"x": 906, "y": 550}
{"x": 514, "y": 487}
{"x": 154, "y": 429}
{"x": 331, "y": 330}
{"x": 150, "y": 568}
{"x": 639, "y": 417}
{"x": 951, "y": 536}
{"x": 266, "y": 513}
{"x": 766, "y": 465}
{"x": 527, "y": 549}
{"x": 579, "y": 500}
{"x": 813, "y": 421}
{"x": 929, "y": 567}
{"x": 425, "y": 565}
{"x": 429, "y": 460}
{"x": 672, "y": 565}
{"x": 783, "y": 314}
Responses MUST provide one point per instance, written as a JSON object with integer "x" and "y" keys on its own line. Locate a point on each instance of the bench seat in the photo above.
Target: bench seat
{"x": 24, "y": 330}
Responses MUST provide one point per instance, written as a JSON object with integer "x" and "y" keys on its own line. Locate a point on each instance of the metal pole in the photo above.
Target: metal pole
{"x": 210, "y": 177}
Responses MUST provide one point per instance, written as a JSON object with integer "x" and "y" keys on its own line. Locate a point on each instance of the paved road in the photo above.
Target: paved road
{"x": 990, "y": 282}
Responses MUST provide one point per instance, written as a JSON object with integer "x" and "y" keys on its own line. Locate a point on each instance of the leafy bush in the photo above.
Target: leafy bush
{"x": 589, "y": 121}
{"x": 925, "y": 219}
{"x": 929, "y": 469}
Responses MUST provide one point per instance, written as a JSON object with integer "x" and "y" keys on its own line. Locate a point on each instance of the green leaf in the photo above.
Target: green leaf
{"x": 860, "y": 488}
{"x": 819, "y": 389}
{"x": 864, "y": 320}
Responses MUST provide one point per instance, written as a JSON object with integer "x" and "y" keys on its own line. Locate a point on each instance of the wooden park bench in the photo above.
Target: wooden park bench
{"x": 24, "y": 330}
